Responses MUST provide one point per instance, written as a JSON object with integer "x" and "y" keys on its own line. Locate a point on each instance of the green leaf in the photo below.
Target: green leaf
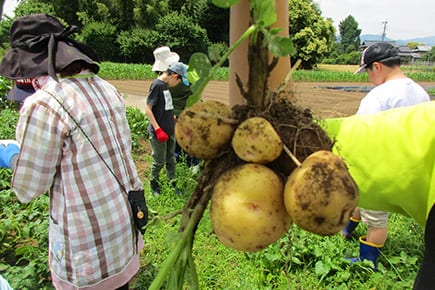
{"x": 281, "y": 46}
{"x": 321, "y": 268}
{"x": 264, "y": 12}
{"x": 200, "y": 63}
{"x": 225, "y": 3}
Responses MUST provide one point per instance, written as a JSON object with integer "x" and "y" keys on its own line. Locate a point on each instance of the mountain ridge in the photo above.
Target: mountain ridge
{"x": 428, "y": 40}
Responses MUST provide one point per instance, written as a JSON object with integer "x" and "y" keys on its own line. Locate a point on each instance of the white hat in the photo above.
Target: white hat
{"x": 163, "y": 57}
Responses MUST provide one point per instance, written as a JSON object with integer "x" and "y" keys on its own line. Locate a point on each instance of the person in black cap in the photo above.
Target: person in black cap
{"x": 21, "y": 90}
{"x": 73, "y": 140}
{"x": 392, "y": 89}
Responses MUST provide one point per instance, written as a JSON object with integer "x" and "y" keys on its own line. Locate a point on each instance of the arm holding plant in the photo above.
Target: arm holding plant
{"x": 390, "y": 155}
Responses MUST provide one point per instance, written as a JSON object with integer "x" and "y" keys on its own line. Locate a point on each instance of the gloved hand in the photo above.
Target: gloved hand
{"x": 6, "y": 154}
{"x": 161, "y": 135}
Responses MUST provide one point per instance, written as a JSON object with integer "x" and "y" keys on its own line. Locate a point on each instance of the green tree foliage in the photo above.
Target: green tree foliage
{"x": 180, "y": 33}
{"x": 349, "y": 34}
{"x": 217, "y": 23}
{"x": 102, "y": 38}
{"x": 148, "y": 12}
{"x": 34, "y": 6}
{"x": 414, "y": 44}
{"x": 195, "y": 9}
{"x": 67, "y": 10}
{"x": 312, "y": 35}
{"x": 136, "y": 45}
{"x": 430, "y": 55}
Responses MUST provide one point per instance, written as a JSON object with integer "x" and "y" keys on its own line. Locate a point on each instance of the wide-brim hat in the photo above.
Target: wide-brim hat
{"x": 40, "y": 46}
{"x": 163, "y": 58}
{"x": 21, "y": 90}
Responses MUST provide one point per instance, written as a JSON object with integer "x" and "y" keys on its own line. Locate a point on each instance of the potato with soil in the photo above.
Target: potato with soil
{"x": 320, "y": 194}
{"x": 247, "y": 208}
{"x": 205, "y": 128}
{"x": 255, "y": 140}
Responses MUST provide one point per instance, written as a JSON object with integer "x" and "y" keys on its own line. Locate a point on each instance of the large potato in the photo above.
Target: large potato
{"x": 320, "y": 195}
{"x": 255, "y": 140}
{"x": 247, "y": 208}
{"x": 205, "y": 128}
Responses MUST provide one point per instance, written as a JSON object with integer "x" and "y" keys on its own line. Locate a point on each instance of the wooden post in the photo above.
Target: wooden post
{"x": 239, "y": 22}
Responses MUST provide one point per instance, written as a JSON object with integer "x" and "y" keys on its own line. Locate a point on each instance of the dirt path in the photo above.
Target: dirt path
{"x": 319, "y": 97}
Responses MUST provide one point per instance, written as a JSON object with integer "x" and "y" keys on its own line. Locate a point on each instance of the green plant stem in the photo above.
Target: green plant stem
{"x": 203, "y": 83}
{"x": 185, "y": 240}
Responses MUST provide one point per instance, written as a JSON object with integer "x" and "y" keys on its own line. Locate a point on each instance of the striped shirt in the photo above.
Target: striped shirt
{"x": 93, "y": 243}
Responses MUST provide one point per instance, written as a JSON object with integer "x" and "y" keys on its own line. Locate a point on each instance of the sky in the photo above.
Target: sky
{"x": 404, "y": 19}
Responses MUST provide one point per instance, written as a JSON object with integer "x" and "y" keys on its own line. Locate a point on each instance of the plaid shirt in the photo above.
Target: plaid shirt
{"x": 92, "y": 237}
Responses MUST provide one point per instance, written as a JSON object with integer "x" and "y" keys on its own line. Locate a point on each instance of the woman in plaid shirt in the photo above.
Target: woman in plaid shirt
{"x": 93, "y": 243}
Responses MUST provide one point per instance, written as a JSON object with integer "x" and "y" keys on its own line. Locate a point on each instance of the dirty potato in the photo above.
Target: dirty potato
{"x": 320, "y": 195}
{"x": 247, "y": 208}
{"x": 205, "y": 128}
{"x": 255, "y": 140}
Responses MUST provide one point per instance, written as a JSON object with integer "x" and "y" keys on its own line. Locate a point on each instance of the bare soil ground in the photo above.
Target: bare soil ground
{"x": 322, "y": 101}
{"x": 320, "y": 98}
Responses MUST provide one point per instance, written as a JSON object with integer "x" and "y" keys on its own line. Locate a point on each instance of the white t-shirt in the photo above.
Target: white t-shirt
{"x": 392, "y": 94}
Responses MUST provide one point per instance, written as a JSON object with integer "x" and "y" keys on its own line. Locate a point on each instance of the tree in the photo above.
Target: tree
{"x": 414, "y": 44}
{"x": 148, "y": 12}
{"x": 349, "y": 34}
{"x": 136, "y": 45}
{"x": 180, "y": 33}
{"x": 217, "y": 23}
{"x": 102, "y": 38}
{"x": 430, "y": 55}
{"x": 312, "y": 35}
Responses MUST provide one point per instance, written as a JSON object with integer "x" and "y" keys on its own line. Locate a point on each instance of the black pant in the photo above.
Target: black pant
{"x": 425, "y": 280}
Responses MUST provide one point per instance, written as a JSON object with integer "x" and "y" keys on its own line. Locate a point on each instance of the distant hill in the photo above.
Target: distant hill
{"x": 429, "y": 40}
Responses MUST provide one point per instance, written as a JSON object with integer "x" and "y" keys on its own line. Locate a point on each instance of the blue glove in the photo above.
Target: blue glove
{"x": 6, "y": 154}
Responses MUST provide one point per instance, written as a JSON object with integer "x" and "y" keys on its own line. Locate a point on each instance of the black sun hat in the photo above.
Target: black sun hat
{"x": 40, "y": 46}
{"x": 381, "y": 52}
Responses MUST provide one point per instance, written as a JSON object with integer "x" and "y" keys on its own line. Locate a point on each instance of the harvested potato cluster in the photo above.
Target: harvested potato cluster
{"x": 250, "y": 206}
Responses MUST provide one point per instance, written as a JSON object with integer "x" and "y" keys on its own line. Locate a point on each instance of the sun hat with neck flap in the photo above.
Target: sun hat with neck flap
{"x": 163, "y": 58}
{"x": 40, "y": 46}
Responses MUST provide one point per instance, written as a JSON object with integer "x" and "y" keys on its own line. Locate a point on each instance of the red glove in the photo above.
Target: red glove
{"x": 161, "y": 135}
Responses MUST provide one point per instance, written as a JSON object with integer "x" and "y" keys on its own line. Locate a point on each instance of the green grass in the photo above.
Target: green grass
{"x": 299, "y": 260}
{"x": 323, "y": 73}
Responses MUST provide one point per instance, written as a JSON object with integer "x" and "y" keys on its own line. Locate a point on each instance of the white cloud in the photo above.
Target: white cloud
{"x": 405, "y": 19}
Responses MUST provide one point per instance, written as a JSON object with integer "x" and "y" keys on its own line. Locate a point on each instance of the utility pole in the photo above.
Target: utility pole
{"x": 383, "y": 31}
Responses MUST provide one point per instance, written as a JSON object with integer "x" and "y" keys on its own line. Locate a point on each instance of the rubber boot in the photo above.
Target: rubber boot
{"x": 155, "y": 187}
{"x": 368, "y": 251}
{"x": 351, "y": 225}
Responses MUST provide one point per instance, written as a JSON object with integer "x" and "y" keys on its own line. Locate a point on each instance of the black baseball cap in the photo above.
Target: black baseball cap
{"x": 381, "y": 52}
